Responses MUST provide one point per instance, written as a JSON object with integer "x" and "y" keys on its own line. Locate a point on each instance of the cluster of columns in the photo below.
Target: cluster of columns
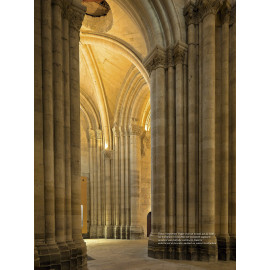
{"x": 95, "y": 200}
{"x": 114, "y": 185}
{"x": 58, "y": 238}
{"x": 193, "y": 135}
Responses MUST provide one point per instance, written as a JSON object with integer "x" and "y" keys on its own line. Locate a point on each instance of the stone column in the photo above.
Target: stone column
{"x": 100, "y": 227}
{"x": 155, "y": 64}
{"x": 127, "y": 184}
{"x": 136, "y": 230}
{"x": 93, "y": 189}
{"x": 48, "y": 143}
{"x": 191, "y": 21}
{"x": 208, "y": 17}
{"x": 223, "y": 238}
{"x": 41, "y": 252}
{"x": 66, "y": 85}
{"x": 122, "y": 184}
{"x": 232, "y": 135}
{"x": 76, "y": 17}
{"x": 180, "y": 169}
{"x": 116, "y": 182}
{"x": 108, "y": 154}
{"x": 59, "y": 134}
{"x": 171, "y": 146}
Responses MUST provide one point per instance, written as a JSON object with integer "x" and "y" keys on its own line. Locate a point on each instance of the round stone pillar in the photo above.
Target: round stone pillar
{"x": 122, "y": 184}
{"x": 108, "y": 155}
{"x": 136, "y": 230}
{"x": 93, "y": 185}
{"x": 76, "y": 17}
{"x": 116, "y": 182}
{"x": 208, "y": 18}
{"x": 98, "y": 183}
{"x": 223, "y": 238}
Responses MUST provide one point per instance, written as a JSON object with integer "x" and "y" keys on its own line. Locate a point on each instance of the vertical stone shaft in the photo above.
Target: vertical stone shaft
{"x": 108, "y": 202}
{"x": 48, "y": 122}
{"x": 192, "y": 127}
{"x": 135, "y": 177}
{"x": 38, "y": 134}
{"x": 66, "y": 85}
{"x": 98, "y": 193}
{"x": 208, "y": 124}
{"x": 224, "y": 170}
{"x": 59, "y": 147}
{"x": 154, "y": 208}
{"x": 122, "y": 183}
{"x": 232, "y": 136}
{"x": 171, "y": 151}
{"x": 76, "y": 20}
{"x": 116, "y": 179}
{"x": 93, "y": 228}
{"x": 127, "y": 185}
{"x": 179, "y": 148}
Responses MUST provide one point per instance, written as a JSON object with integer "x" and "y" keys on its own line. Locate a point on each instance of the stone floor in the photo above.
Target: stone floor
{"x": 132, "y": 255}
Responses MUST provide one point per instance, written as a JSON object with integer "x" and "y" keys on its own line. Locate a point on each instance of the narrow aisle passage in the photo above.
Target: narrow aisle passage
{"x": 104, "y": 254}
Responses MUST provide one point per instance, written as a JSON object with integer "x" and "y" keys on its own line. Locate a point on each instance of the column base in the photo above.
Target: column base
{"x": 55, "y": 258}
{"x": 117, "y": 232}
{"x": 64, "y": 255}
{"x": 93, "y": 232}
{"x": 156, "y": 250}
{"x": 127, "y": 232}
{"x": 109, "y": 232}
{"x": 233, "y": 248}
{"x": 100, "y": 231}
{"x": 73, "y": 254}
{"x": 123, "y": 232}
{"x": 223, "y": 247}
{"x": 81, "y": 254}
{"x": 208, "y": 252}
{"x": 136, "y": 232}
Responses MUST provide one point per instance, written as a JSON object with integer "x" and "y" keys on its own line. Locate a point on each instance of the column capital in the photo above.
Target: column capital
{"x": 135, "y": 130}
{"x": 116, "y": 131}
{"x": 98, "y": 134}
{"x": 233, "y": 15}
{"x": 156, "y": 59}
{"x": 179, "y": 53}
{"x": 191, "y": 14}
{"x": 122, "y": 131}
{"x": 92, "y": 134}
{"x": 206, "y": 7}
{"x": 75, "y": 16}
{"x": 225, "y": 11}
{"x": 108, "y": 154}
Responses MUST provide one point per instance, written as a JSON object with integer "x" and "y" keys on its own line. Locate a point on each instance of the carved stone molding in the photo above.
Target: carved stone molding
{"x": 92, "y": 134}
{"x": 156, "y": 59}
{"x": 122, "y": 131}
{"x": 108, "y": 154}
{"x": 59, "y": 3}
{"x": 233, "y": 15}
{"x": 191, "y": 14}
{"x": 116, "y": 131}
{"x": 165, "y": 58}
{"x": 135, "y": 130}
{"x": 225, "y": 11}
{"x": 170, "y": 58}
{"x": 179, "y": 53}
{"x": 76, "y": 16}
{"x": 65, "y": 9}
{"x": 206, "y": 7}
{"x": 98, "y": 134}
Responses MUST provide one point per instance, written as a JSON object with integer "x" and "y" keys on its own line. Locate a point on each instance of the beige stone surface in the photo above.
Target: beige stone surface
{"x": 132, "y": 254}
